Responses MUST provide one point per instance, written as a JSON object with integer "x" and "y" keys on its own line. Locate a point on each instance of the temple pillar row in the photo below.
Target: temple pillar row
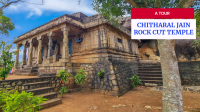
{"x": 65, "y": 53}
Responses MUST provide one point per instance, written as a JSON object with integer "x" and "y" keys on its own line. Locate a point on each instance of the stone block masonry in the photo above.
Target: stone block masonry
{"x": 116, "y": 78}
{"x": 24, "y": 84}
{"x": 190, "y": 73}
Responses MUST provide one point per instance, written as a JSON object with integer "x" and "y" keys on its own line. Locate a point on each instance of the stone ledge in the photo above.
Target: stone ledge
{"x": 149, "y": 62}
{"x": 51, "y": 103}
{"x": 26, "y": 79}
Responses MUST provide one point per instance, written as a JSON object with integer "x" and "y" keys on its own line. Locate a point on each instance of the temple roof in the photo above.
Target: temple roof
{"x": 79, "y": 15}
{"x": 78, "y": 19}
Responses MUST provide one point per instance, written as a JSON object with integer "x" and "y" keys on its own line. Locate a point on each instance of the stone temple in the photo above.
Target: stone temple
{"x": 76, "y": 41}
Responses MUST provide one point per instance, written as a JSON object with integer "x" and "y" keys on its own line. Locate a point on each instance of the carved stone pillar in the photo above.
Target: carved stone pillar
{"x": 105, "y": 39}
{"x": 133, "y": 47}
{"x": 116, "y": 41}
{"x": 39, "y": 54}
{"x": 24, "y": 54}
{"x": 45, "y": 52}
{"x": 136, "y": 49}
{"x": 65, "y": 52}
{"x": 55, "y": 56}
{"x": 30, "y": 52}
{"x": 17, "y": 56}
{"x": 50, "y": 44}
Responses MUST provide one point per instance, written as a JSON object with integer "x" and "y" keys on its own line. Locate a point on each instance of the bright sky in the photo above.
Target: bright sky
{"x": 29, "y": 16}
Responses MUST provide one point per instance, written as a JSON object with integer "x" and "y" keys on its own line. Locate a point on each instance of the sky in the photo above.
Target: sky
{"x": 27, "y": 16}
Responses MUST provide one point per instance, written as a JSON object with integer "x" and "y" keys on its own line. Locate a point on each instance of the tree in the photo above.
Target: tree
{"x": 172, "y": 94}
{"x": 6, "y": 3}
{"x": 5, "y": 24}
{"x": 6, "y": 59}
{"x": 196, "y": 43}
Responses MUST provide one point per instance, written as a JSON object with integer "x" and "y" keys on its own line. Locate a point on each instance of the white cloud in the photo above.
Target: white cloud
{"x": 52, "y": 5}
{"x": 13, "y": 7}
{"x": 18, "y": 27}
{"x": 34, "y": 11}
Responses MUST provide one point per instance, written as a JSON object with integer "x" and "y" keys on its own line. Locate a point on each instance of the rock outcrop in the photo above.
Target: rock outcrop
{"x": 148, "y": 49}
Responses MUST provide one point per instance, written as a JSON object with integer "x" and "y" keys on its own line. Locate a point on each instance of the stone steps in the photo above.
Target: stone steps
{"x": 26, "y": 74}
{"x": 34, "y": 70}
{"x": 51, "y": 103}
{"x": 50, "y": 95}
{"x": 150, "y": 74}
{"x": 150, "y": 78}
{"x": 43, "y": 89}
{"x": 152, "y": 69}
{"x": 152, "y": 81}
{"x": 152, "y": 66}
{"x": 46, "y": 74}
{"x": 25, "y": 71}
{"x": 28, "y": 70}
{"x": 29, "y": 86}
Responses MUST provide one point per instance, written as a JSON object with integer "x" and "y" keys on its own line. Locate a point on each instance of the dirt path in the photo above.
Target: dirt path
{"x": 133, "y": 101}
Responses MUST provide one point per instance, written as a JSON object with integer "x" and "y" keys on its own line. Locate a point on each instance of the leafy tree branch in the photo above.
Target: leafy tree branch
{"x": 6, "y": 3}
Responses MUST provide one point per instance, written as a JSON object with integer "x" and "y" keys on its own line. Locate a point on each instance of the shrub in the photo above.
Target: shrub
{"x": 80, "y": 77}
{"x": 6, "y": 59}
{"x": 101, "y": 73}
{"x": 63, "y": 75}
{"x": 135, "y": 81}
{"x": 13, "y": 101}
{"x": 3, "y": 95}
{"x": 63, "y": 90}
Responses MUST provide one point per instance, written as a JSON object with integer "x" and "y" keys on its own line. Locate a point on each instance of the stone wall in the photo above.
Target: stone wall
{"x": 190, "y": 73}
{"x": 99, "y": 38}
{"x": 123, "y": 71}
{"x": 53, "y": 82}
{"x": 116, "y": 78}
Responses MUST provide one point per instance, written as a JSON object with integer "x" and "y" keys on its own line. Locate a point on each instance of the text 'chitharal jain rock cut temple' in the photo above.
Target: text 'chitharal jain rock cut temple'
{"x": 76, "y": 41}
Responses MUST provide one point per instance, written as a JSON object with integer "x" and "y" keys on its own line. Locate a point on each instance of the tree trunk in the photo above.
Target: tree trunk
{"x": 172, "y": 93}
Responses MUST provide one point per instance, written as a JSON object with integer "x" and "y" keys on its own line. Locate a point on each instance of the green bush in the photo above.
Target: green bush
{"x": 63, "y": 90}
{"x": 80, "y": 77}
{"x": 63, "y": 75}
{"x": 101, "y": 73}
{"x": 135, "y": 81}
{"x": 13, "y": 101}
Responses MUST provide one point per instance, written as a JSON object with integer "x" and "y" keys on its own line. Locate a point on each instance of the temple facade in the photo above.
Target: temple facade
{"x": 76, "y": 41}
